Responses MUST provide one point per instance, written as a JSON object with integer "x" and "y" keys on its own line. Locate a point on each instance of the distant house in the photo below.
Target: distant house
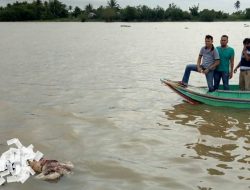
{"x": 91, "y": 15}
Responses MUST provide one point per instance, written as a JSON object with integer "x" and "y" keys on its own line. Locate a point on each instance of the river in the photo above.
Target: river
{"x": 90, "y": 93}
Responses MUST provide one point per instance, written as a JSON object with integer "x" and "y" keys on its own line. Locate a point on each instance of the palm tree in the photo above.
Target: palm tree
{"x": 89, "y": 8}
{"x": 237, "y": 5}
{"x": 113, "y": 4}
{"x": 172, "y": 6}
{"x": 38, "y": 2}
{"x": 194, "y": 10}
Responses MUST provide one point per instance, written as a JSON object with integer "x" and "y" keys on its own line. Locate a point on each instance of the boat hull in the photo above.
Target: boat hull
{"x": 194, "y": 95}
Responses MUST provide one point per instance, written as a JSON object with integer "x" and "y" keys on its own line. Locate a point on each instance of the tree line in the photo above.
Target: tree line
{"x": 56, "y": 10}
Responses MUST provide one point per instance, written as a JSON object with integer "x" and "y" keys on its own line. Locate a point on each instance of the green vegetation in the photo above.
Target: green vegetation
{"x": 57, "y": 11}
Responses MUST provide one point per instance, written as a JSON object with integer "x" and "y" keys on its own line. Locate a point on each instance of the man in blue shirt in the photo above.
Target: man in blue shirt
{"x": 207, "y": 61}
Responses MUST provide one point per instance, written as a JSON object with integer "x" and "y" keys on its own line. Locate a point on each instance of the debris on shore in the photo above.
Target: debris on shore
{"x": 124, "y": 25}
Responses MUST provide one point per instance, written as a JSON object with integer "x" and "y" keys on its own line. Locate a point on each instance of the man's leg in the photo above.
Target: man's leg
{"x": 210, "y": 81}
{"x": 217, "y": 77}
{"x": 189, "y": 68}
{"x": 242, "y": 80}
{"x": 225, "y": 79}
{"x": 247, "y": 80}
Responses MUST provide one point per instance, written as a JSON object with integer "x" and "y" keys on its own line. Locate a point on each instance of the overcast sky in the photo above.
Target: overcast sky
{"x": 223, "y": 5}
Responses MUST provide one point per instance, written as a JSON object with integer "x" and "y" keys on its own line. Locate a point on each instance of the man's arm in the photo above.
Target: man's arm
{"x": 246, "y": 55}
{"x": 214, "y": 65}
{"x": 236, "y": 68}
{"x": 216, "y": 62}
{"x": 199, "y": 64}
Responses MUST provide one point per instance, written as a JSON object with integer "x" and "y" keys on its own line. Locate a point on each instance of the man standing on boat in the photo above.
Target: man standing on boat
{"x": 207, "y": 61}
{"x": 223, "y": 71}
{"x": 244, "y": 64}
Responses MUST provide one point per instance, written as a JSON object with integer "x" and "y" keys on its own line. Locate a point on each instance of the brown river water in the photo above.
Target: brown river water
{"x": 90, "y": 93}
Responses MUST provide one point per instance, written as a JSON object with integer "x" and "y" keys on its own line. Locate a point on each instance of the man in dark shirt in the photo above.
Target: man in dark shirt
{"x": 244, "y": 64}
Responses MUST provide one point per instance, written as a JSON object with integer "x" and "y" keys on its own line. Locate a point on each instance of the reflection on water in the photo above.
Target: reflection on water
{"x": 224, "y": 136}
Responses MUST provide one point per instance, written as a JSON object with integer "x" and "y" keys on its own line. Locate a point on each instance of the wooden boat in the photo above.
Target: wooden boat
{"x": 195, "y": 95}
